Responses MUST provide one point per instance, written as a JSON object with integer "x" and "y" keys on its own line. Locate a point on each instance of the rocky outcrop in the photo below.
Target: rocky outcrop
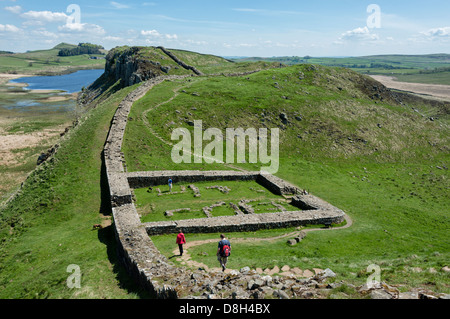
{"x": 132, "y": 67}
{"x": 128, "y": 66}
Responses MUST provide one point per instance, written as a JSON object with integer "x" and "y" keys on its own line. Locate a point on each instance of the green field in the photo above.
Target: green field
{"x": 380, "y": 161}
{"x": 430, "y": 69}
{"x": 47, "y": 62}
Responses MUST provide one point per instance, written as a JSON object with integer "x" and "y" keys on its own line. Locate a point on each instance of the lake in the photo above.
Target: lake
{"x": 69, "y": 83}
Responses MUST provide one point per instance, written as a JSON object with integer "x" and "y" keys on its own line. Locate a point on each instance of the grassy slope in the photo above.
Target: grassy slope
{"x": 386, "y": 178}
{"x": 46, "y": 62}
{"x": 49, "y": 225}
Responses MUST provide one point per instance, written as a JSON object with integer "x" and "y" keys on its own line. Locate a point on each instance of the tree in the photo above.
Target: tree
{"x": 82, "y": 48}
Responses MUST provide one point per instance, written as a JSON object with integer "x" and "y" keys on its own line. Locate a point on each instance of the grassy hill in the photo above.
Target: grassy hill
{"x": 430, "y": 68}
{"x": 347, "y": 140}
{"x": 379, "y": 160}
{"x": 47, "y": 62}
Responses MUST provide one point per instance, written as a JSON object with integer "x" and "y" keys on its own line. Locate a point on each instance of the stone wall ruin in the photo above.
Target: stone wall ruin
{"x": 136, "y": 250}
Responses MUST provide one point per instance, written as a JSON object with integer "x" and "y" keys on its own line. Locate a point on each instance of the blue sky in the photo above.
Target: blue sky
{"x": 233, "y": 28}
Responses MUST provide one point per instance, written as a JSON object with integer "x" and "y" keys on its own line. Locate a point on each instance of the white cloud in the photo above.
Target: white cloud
{"x": 45, "y": 33}
{"x": 14, "y": 9}
{"x": 45, "y": 16}
{"x": 157, "y": 34}
{"x": 151, "y": 33}
{"x": 437, "y": 33}
{"x": 9, "y": 28}
{"x": 112, "y": 38}
{"x": 171, "y": 36}
{"x": 118, "y": 5}
{"x": 359, "y": 34}
{"x": 91, "y": 29}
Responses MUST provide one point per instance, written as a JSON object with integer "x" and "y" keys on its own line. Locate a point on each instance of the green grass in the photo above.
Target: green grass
{"x": 386, "y": 178}
{"x": 151, "y": 206}
{"x": 392, "y": 228}
{"x": 49, "y": 225}
{"x": 433, "y": 78}
{"x": 45, "y": 62}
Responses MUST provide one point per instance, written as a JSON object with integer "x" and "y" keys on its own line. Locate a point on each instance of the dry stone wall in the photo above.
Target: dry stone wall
{"x": 136, "y": 250}
{"x": 184, "y": 65}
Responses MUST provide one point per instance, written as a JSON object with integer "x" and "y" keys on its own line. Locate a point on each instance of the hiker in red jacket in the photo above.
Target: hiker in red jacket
{"x": 180, "y": 241}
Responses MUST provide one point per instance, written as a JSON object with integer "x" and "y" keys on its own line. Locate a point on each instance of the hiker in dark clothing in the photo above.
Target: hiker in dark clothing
{"x": 223, "y": 251}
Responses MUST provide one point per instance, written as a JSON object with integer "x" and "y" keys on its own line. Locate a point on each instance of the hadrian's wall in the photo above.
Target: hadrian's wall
{"x": 136, "y": 250}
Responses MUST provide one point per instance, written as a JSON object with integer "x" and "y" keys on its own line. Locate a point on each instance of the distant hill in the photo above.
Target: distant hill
{"x": 80, "y": 49}
{"x": 49, "y": 62}
{"x": 411, "y": 68}
{"x": 64, "y": 45}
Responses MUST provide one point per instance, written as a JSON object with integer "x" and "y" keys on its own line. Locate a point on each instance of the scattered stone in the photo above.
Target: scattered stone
{"x": 297, "y": 271}
{"x": 408, "y": 295}
{"x": 281, "y": 294}
{"x": 334, "y": 285}
{"x": 285, "y": 268}
{"x": 380, "y": 294}
{"x": 284, "y": 118}
{"x": 325, "y": 274}
{"x": 292, "y": 242}
{"x": 236, "y": 209}
{"x": 278, "y": 206}
{"x": 195, "y": 190}
{"x": 207, "y": 211}
{"x": 307, "y": 294}
{"x": 301, "y": 235}
{"x": 275, "y": 270}
{"x": 245, "y": 208}
{"x": 223, "y": 189}
{"x": 426, "y": 296}
{"x": 244, "y": 270}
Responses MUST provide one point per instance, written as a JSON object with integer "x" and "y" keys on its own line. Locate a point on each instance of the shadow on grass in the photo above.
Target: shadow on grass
{"x": 107, "y": 237}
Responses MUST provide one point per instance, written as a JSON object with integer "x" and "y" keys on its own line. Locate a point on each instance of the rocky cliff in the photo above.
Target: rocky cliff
{"x": 130, "y": 67}
{"x": 126, "y": 66}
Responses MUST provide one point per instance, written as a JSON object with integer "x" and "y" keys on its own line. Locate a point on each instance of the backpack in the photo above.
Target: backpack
{"x": 226, "y": 249}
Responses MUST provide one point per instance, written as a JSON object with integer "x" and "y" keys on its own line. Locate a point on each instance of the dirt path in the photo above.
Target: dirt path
{"x": 285, "y": 270}
{"x": 434, "y": 90}
{"x": 149, "y": 127}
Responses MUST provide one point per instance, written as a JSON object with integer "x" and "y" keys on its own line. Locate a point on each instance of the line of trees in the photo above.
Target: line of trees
{"x": 82, "y": 48}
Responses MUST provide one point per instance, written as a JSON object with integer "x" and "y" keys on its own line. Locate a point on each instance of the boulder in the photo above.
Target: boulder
{"x": 380, "y": 294}
{"x": 281, "y": 294}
